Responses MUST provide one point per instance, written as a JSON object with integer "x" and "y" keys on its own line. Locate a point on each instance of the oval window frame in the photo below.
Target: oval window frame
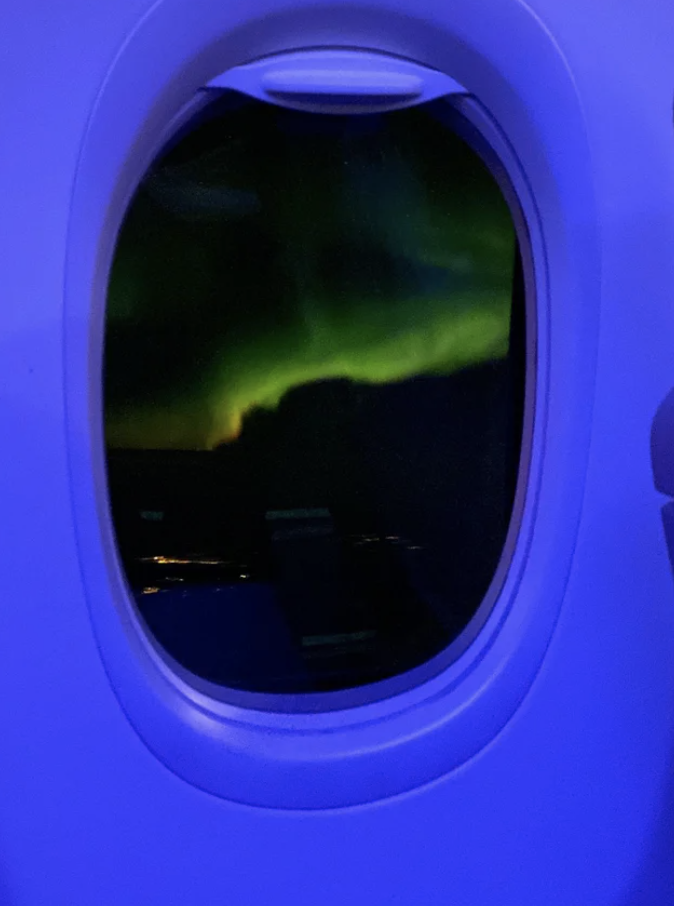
{"x": 457, "y": 116}
{"x": 363, "y": 752}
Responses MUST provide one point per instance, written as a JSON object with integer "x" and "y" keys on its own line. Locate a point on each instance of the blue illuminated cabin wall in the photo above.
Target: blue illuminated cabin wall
{"x": 571, "y": 801}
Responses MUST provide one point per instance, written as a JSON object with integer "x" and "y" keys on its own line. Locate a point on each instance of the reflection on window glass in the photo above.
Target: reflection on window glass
{"x": 313, "y": 393}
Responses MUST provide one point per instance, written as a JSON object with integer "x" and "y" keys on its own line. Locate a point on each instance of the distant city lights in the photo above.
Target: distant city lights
{"x": 178, "y": 561}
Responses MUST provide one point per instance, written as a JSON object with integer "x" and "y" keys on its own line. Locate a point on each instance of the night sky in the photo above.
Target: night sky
{"x": 313, "y": 313}
{"x": 270, "y": 249}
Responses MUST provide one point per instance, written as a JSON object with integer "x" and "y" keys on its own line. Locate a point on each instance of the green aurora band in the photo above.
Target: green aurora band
{"x": 318, "y": 334}
{"x": 371, "y": 352}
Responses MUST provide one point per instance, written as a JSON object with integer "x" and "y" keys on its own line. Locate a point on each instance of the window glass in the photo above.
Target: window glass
{"x": 313, "y": 387}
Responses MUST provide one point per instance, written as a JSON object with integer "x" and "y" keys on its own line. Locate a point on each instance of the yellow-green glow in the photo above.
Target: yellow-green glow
{"x": 443, "y": 336}
{"x": 370, "y": 257}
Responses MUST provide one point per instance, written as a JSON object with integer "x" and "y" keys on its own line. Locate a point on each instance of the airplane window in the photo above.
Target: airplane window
{"x": 313, "y": 389}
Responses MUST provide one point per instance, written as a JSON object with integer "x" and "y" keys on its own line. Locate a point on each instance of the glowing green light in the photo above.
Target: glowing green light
{"x": 439, "y": 337}
{"x": 425, "y": 209}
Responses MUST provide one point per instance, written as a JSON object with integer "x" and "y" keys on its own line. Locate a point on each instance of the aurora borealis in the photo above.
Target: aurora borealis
{"x": 313, "y": 314}
{"x": 271, "y": 249}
